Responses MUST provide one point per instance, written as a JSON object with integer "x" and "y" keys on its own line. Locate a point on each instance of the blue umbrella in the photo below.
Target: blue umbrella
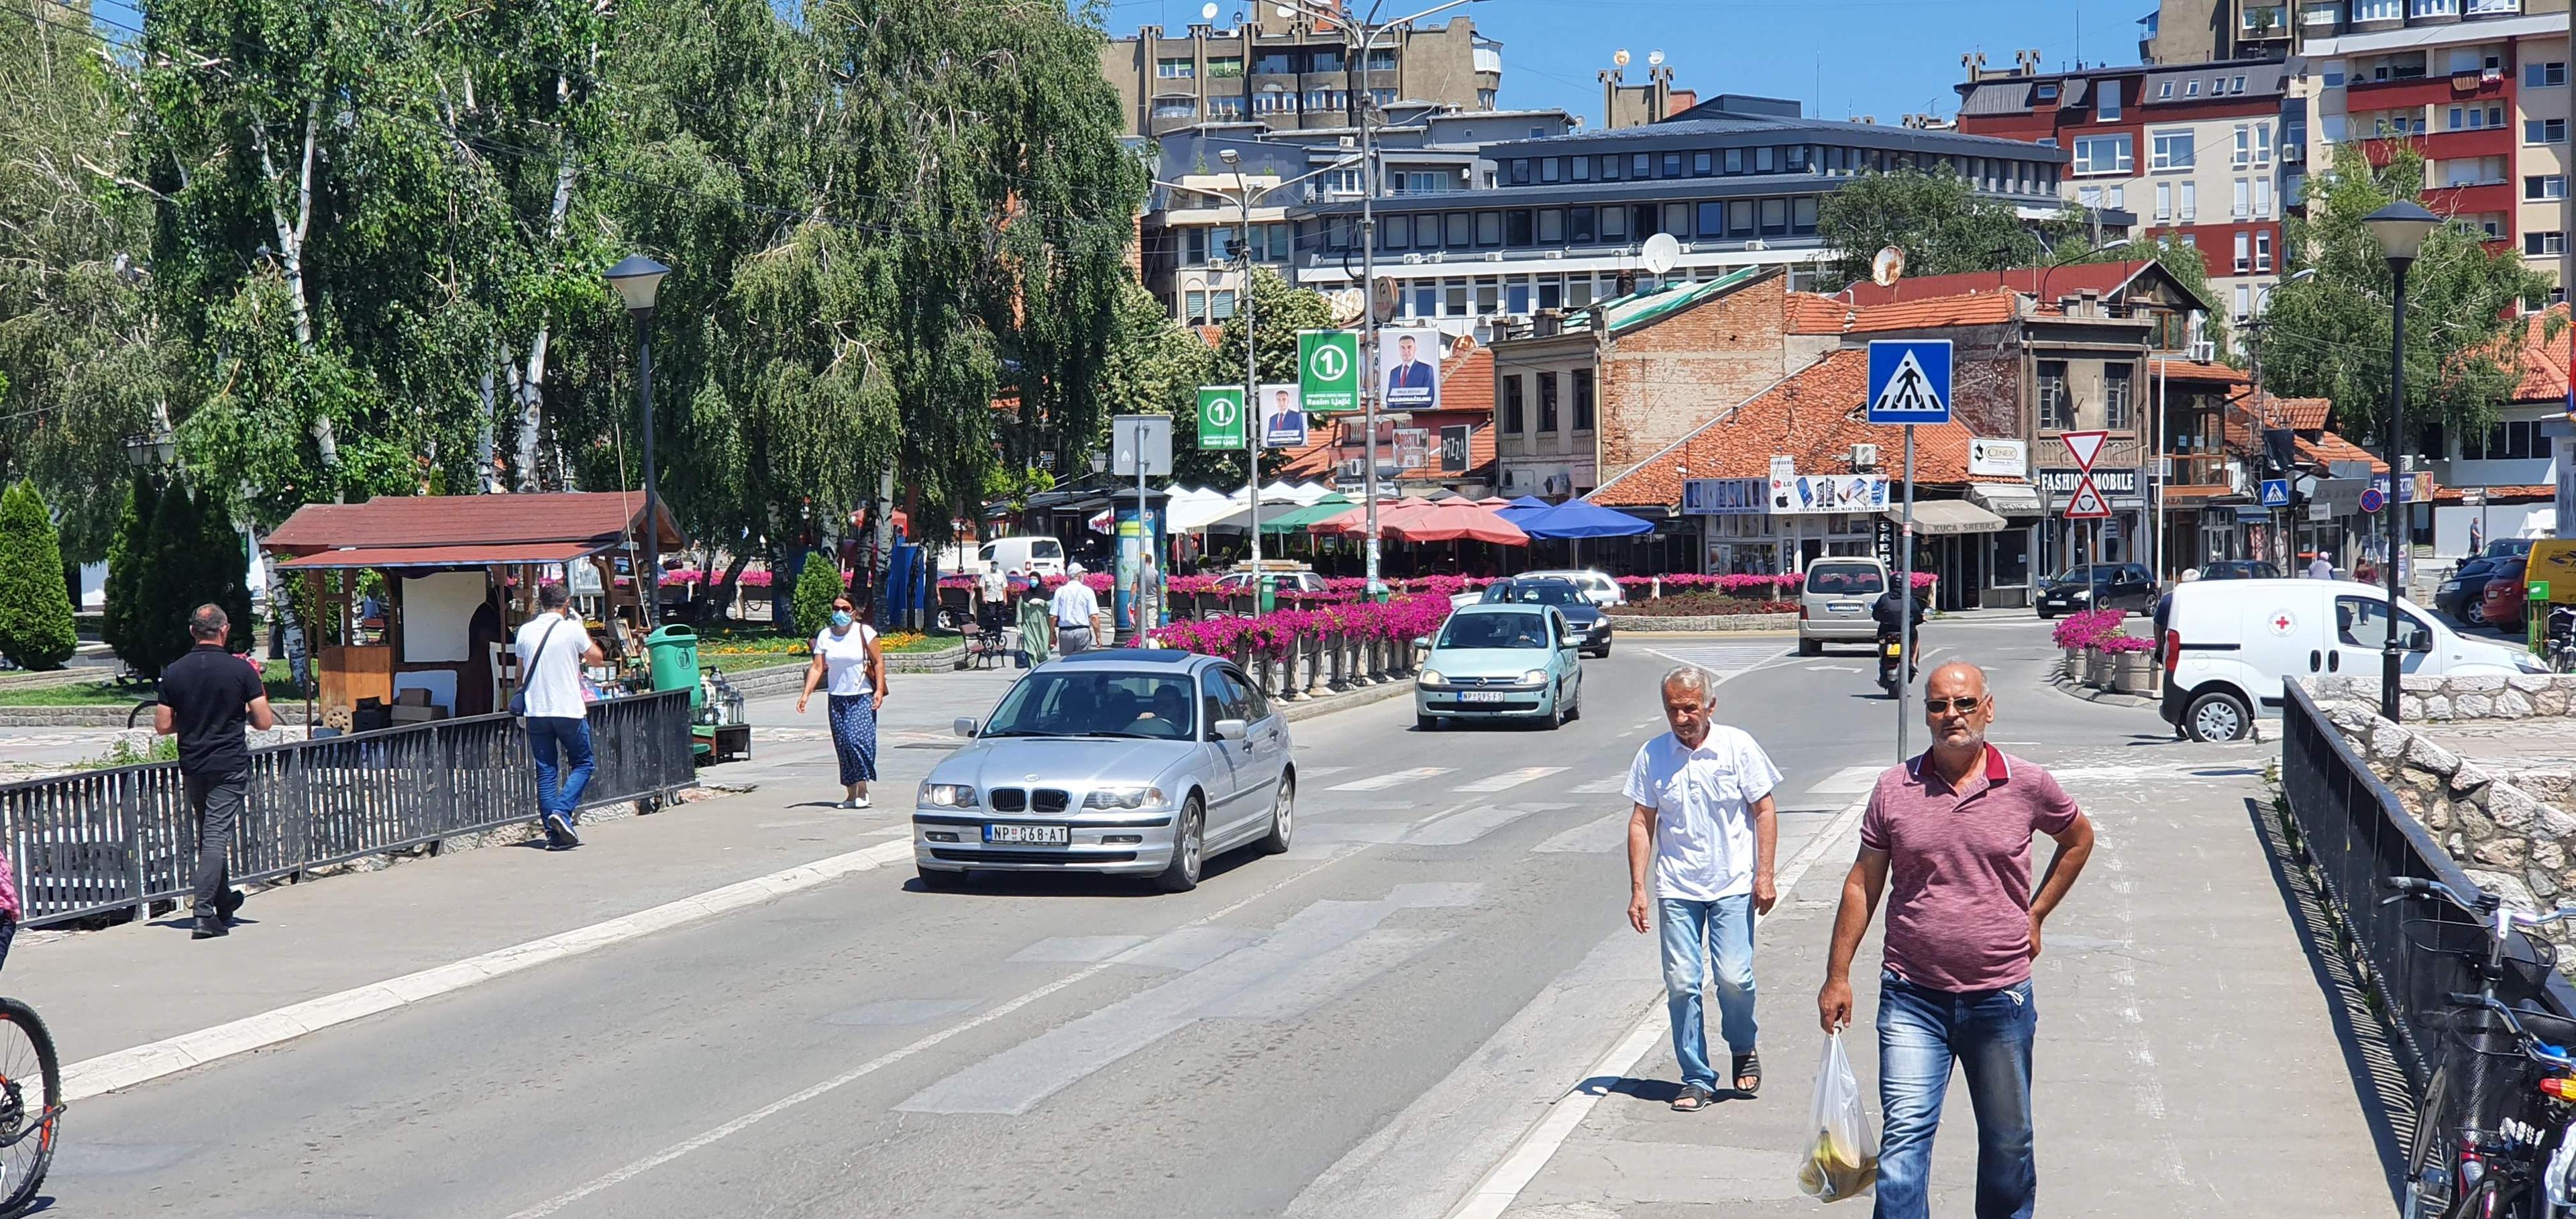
{"x": 1578, "y": 518}
{"x": 1521, "y": 507}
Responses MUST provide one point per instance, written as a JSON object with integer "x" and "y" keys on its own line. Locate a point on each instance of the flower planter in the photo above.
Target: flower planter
{"x": 2098, "y": 668}
{"x": 2136, "y": 673}
{"x": 2074, "y": 664}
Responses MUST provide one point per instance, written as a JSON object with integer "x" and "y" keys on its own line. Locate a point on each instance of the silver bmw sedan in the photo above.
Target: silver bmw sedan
{"x": 1131, "y": 761}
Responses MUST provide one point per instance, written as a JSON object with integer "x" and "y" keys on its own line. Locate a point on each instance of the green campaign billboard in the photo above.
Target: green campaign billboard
{"x": 1328, "y": 370}
{"x": 1220, "y": 416}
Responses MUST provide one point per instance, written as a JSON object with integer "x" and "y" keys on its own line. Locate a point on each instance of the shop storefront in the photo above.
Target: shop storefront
{"x": 2118, "y": 538}
{"x": 1763, "y": 526}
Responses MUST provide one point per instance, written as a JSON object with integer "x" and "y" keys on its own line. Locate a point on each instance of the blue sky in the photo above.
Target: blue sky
{"x": 1876, "y": 57}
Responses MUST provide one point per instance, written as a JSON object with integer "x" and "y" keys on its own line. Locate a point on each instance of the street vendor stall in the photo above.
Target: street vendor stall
{"x": 454, "y": 576}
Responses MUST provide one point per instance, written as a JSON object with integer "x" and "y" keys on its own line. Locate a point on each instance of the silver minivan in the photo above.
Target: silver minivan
{"x": 1834, "y": 601}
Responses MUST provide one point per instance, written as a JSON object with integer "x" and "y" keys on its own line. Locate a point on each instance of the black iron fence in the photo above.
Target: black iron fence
{"x": 2355, "y": 834}
{"x": 107, "y": 840}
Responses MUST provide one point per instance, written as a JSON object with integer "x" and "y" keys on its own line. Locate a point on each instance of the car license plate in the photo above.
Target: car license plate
{"x": 1040, "y": 835}
{"x": 1481, "y": 696}
{"x": 1843, "y": 607}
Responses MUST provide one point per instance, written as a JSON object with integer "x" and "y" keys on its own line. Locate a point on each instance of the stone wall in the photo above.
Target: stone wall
{"x": 2443, "y": 699}
{"x": 2509, "y": 830}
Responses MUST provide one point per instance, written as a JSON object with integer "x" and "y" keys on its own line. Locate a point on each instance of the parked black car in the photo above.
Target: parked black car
{"x": 2462, "y": 594}
{"x": 2127, "y": 586}
{"x": 1589, "y": 623}
{"x": 2239, "y": 569}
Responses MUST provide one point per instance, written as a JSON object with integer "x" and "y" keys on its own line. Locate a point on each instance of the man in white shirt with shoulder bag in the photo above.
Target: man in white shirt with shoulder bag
{"x": 552, "y": 648}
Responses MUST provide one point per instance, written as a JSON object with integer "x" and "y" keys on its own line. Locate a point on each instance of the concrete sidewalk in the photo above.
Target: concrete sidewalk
{"x": 2189, "y": 1059}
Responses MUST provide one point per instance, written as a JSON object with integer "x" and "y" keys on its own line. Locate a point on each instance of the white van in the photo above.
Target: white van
{"x": 2230, "y": 644}
{"x": 1040, "y": 554}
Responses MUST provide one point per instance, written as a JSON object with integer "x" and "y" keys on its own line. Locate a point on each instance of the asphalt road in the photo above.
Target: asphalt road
{"x": 1448, "y": 931}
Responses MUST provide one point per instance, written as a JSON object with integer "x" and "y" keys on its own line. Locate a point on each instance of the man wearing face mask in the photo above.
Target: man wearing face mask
{"x": 1947, "y": 839}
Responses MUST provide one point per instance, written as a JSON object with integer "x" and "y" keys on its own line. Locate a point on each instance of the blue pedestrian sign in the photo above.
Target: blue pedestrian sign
{"x": 1909, "y": 381}
{"x": 2276, "y": 493}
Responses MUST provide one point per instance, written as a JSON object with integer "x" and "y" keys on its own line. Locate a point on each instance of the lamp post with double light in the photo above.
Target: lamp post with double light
{"x": 2401, "y": 228}
{"x": 638, "y": 280}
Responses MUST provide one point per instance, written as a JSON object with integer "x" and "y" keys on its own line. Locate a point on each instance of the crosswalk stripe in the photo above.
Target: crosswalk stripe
{"x": 1391, "y": 778}
{"x": 1849, "y": 781}
{"x": 1598, "y": 836}
{"x": 1317, "y": 772}
{"x": 1509, "y": 779}
{"x": 1601, "y": 787}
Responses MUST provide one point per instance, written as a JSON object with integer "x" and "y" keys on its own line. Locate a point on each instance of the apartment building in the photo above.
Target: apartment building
{"x": 1187, "y": 237}
{"x": 1737, "y": 181}
{"x": 2211, "y": 152}
{"x": 2208, "y": 31}
{"x": 2478, "y": 87}
{"x": 1290, "y": 73}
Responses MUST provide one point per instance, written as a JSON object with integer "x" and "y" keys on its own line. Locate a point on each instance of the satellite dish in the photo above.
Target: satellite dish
{"x": 1207, "y": 12}
{"x": 1385, "y": 296}
{"x": 1887, "y": 267}
{"x": 1620, "y": 57}
{"x": 1660, "y": 252}
{"x": 1654, "y": 59}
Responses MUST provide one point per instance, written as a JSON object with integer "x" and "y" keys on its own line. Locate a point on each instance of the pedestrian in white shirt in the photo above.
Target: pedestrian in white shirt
{"x": 2321, "y": 568}
{"x": 1700, "y": 848}
{"x": 851, "y": 667}
{"x": 1073, "y": 606}
{"x": 552, "y": 647}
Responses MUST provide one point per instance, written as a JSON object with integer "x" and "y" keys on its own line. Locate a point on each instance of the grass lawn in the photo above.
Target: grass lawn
{"x": 281, "y": 690}
{"x": 743, "y": 647}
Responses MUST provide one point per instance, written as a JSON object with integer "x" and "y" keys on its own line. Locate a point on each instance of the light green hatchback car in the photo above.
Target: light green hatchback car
{"x": 1500, "y": 661}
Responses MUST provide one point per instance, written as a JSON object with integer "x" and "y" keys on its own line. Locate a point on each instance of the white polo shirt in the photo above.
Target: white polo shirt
{"x": 1703, "y": 800}
{"x": 1073, "y": 603}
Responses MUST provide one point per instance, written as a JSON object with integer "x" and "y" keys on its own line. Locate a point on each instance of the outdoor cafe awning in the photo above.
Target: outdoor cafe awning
{"x": 477, "y": 555}
{"x": 1943, "y": 517}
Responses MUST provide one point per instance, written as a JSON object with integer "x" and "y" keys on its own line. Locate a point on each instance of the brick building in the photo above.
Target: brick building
{"x": 1291, "y": 73}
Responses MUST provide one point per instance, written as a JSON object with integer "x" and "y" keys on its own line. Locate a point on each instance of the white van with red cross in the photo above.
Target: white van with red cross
{"x": 2230, "y": 644}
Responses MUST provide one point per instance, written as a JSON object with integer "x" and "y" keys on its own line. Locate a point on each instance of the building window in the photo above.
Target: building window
{"x": 1515, "y": 417}
{"x": 2437, "y": 8}
{"x": 2103, "y": 154}
{"x": 1220, "y": 305}
{"x": 1582, "y": 399}
{"x": 1426, "y": 301}
{"x": 1641, "y": 165}
{"x": 2378, "y": 10}
{"x": 1579, "y": 168}
{"x": 1578, "y": 225}
{"x": 2172, "y": 150}
{"x": 1196, "y": 309}
{"x": 1520, "y": 171}
{"x": 2244, "y": 199}
{"x": 1712, "y": 219}
{"x": 2189, "y": 209}
{"x": 1551, "y": 169}
{"x": 1516, "y": 227}
{"x": 1802, "y": 216}
{"x": 1182, "y": 68}
{"x": 1614, "y": 224}
{"x": 1739, "y": 218}
{"x": 2106, "y": 102}
{"x": 1551, "y": 292}
{"x": 2164, "y": 201}
{"x": 2262, "y": 251}
{"x": 2164, "y": 92}
{"x": 1489, "y": 298}
{"x": 1700, "y": 164}
{"x": 2544, "y": 131}
{"x": 2056, "y": 409}
{"x": 2510, "y": 440}
{"x": 1225, "y": 67}
{"x": 2117, "y": 413}
{"x": 1484, "y": 99}
{"x": 2544, "y": 186}
{"x": 1225, "y": 105}
{"x": 2537, "y": 244}
{"x": 1382, "y": 59}
{"x": 1489, "y": 228}
{"x": 1324, "y": 59}
{"x": 1273, "y": 63}
{"x": 1176, "y": 107}
{"x": 1546, "y": 403}
{"x": 1551, "y": 226}
{"x": 2263, "y": 198}
{"x": 1672, "y": 165}
{"x": 1762, "y": 163}
{"x": 1453, "y": 299}
{"x": 1734, "y": 161}
{"x": 1775, "y": 217}
{"x": 2544, "y": 75}
{"x": 1518, "y": 297}
{"x": 2244, "y": 299}
{"x": 1610, "y": 169}
{"x": 2244, "y": 253}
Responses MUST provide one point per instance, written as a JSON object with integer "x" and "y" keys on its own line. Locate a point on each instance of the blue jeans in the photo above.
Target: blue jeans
{"x": 1921, "y": 1033}
{"x": 546, "y": 733}
{"x": 1694, "y": 932}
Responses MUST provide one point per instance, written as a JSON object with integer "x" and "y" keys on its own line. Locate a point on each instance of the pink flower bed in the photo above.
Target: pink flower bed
{"x": 2091, "y": 629}
{"x": 694, "y": 575}
{"x": 1271, "y": 634}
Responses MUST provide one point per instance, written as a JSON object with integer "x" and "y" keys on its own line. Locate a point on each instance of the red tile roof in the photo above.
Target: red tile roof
{"x": 595, "y": 517}
{"x": 2499, "y": 495}
{"x": 1809, "y": 314}
{"x": 1467, "y": 378}
{"x": 2330, "y": 447}
{"x": 1814, "y": 416}
{"x": 2544, "y": 363}
{"x": 2194, "y": 371}
{"x": 2058, "y": 283}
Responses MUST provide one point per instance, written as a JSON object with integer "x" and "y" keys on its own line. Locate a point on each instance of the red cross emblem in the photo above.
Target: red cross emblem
{"x": 2282, "y": 622}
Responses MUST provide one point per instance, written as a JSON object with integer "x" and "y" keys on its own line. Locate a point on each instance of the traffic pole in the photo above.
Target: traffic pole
{"x": 1905, "y": 611}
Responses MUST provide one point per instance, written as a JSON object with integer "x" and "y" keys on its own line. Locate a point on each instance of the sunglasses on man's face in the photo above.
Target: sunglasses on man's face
{"x": 1942, "y": 706}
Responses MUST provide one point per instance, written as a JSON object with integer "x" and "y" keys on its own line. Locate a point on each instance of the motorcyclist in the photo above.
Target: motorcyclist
{"x": 1889, "y": 611}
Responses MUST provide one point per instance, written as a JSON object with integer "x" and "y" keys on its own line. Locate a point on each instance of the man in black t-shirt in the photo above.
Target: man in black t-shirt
{"x": 206, "y": 698}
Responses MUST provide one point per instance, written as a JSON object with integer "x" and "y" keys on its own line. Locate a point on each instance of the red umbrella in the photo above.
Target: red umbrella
{"x": 1456, "y": 520}
{"x": 1355, "y": 521}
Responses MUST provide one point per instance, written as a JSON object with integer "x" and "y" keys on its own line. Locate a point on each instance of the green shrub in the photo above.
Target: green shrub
{"x": 816, "y": 585}
{"x": 35, "y": 615}
{"x": 128, "y": 553}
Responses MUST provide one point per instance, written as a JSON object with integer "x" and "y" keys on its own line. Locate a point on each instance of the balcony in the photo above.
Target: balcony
{"x": 2261, "y": 22}
{"x": 2321, "y": 18}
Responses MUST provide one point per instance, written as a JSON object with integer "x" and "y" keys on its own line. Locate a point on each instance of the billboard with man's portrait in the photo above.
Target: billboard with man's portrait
{"x": 1408, "y": 369}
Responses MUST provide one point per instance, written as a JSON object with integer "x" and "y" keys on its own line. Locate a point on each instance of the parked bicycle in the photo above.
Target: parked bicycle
{"x": 31, "y": 1105}
{"x": 2490, "y": 1137}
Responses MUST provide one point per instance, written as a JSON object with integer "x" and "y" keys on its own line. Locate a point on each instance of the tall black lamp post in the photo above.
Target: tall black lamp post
{"x": 2401, "y": 228}
{"x": 639, "y": 279}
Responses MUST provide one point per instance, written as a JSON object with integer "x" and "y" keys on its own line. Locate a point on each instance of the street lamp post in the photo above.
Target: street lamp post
{"x": 1252, "y": 435}
{"x": 2401, "y": 228}
{"x": 638, "y": 279}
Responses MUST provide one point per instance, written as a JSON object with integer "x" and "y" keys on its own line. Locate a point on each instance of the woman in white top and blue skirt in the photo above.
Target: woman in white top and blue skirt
{"x": 846, "y": 657}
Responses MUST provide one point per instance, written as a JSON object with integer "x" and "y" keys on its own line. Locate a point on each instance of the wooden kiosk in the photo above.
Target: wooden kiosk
{"x": 456, "y": 575}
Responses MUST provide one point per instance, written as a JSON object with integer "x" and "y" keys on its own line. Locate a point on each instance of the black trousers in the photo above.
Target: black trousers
{"x": 217, "y": 801}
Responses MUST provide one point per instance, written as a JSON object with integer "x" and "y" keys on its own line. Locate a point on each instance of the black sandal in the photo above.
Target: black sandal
{"x": 1748, "y": 1065}
{"x": 1693, "y": 1098}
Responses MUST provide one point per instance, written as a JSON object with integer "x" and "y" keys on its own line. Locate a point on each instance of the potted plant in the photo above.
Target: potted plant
{"x": 2133, "y": 664}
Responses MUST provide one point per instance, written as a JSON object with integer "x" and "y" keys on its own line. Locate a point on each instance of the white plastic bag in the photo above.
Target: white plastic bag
{"x": 1840, "y": 1158}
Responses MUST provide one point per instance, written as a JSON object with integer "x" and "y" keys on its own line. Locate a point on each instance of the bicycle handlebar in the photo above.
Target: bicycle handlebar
{"x": 2485, "y": 905}
{"x": 2532, "y": 1047}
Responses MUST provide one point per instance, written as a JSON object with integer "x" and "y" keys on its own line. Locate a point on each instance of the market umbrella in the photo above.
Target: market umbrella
{"x": 1455, "y": 520}
{"x": 1513, "y": 510}
{"x": 1354, "y": 519}
{"x": 1273, "y": 512}
{"x": 1323, "y": 509}
{"x": 1580, "y": 518}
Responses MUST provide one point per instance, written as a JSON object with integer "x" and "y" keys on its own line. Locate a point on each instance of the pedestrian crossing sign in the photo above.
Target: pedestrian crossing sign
{"x": 1909, "y": 381}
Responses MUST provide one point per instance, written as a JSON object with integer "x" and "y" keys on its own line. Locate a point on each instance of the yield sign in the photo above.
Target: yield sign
{"x": 2084, "y": 447}
{"x": 2087, "y": 502}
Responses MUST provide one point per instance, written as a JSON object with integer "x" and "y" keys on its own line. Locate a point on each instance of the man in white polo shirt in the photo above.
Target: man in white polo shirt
{"x": 1705, "y": 826}
{"x": 1073, "y": 606}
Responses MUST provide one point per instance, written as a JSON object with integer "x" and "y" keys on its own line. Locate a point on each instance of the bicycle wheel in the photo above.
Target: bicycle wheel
{"x": 2430, "y": 1173}
{"x": 31, "y": 1095}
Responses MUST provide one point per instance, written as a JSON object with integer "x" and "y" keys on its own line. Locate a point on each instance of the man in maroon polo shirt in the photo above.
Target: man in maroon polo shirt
{"x": 1952, "y": 830}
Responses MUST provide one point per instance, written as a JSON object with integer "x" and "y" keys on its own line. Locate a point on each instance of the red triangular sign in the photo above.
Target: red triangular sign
{"x": 2084, "y": 447}
{"x": 2087, "y": 502}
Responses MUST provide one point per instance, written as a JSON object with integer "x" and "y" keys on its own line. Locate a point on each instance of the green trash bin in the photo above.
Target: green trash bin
{"x": 2535, "y": 616}
{"x": 1268, "y": 598}
{"x": 673, "y": 651}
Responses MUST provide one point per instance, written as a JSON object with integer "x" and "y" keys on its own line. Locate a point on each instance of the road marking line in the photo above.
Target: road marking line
{"x": 1380, "y": 782}
{"x": 1317, "y": 772}
{"x": 1849, "y": 781}
{"x": 1509, "y": 779}
{"x": 141, "y": 1064}
{"x": 1502, "y": 1185}
{"x": 1598, "y": 836}
{"x": 890, "y": 1058}
{"x": 1601, "y": 787}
